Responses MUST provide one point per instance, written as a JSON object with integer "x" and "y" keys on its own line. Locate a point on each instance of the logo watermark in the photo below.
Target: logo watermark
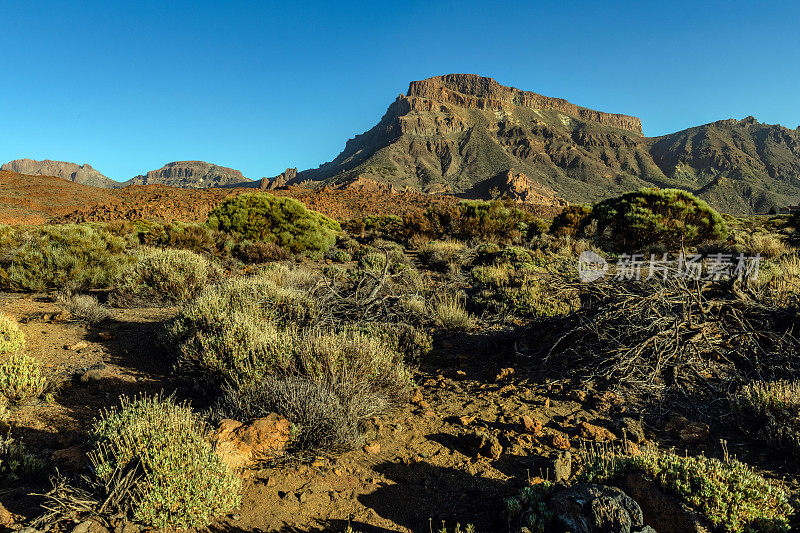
{"x": 592, "y": 267}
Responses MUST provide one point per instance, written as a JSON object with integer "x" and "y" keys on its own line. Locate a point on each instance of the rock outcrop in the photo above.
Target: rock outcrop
{"x": 190, "y": 174}
{"x": 81, "y": 174}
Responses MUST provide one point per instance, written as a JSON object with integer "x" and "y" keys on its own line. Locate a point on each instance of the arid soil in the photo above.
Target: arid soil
{"x": 452, "y": 454}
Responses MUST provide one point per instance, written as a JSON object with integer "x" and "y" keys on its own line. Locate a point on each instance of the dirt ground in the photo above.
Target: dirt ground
{"x": 426, "y": 468}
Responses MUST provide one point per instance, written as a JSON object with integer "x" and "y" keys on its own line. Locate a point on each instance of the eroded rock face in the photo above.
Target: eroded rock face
{"x": 283, "y": 179}
{"x": 472, "y": 91}
{"x": 82, "y": 174}
{"x": 246, "y": 445}
{"x": 662, "y": 511}
{"x": 190, "y": 174}
{"x": 590, "y": 508}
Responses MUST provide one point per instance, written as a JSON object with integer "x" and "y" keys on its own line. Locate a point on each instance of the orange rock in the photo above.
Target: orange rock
{"x": 72, "y": 458}
{"x": 373, "y": 447}
{"x": 596, "y": 433}
{"x": 531, "y": 425}
{"x": 246, "y": 445}
{"x": 560, "y": 442}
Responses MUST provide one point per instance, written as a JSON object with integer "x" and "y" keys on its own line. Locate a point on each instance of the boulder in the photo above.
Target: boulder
{"x": 590, "y": 508}
{"x": 72, "y": 458}
{"x": 246, "y": 445}
{"x": 663, "y": 511}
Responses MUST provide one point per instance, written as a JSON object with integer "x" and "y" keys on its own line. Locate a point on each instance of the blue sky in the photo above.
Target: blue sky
{"x": 259, "y": 86}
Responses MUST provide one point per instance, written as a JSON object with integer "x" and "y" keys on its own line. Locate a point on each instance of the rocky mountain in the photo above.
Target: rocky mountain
{"x": 190, "y": 174}
{"x": 739, "y": 166}
{"x": 81, "y": 174}
{"x": 471, "y": 136}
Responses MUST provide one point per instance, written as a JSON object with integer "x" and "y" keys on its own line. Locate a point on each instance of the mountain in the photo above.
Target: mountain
{"x": 81, "y": 174}
{"x": 190, "y": 174}
{"x": 739, "y": 166}
{"x": 464, "y": 134}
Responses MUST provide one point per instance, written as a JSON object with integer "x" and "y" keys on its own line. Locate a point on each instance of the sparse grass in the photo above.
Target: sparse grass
{"x": 767, "y": 245}
{"x": 21, "y": 378}
{"x": 771, "y": 411}
{"x": 451, "y": 313}
{"x": 165, "y": 275}
{"x": 529, "y": 508}
{"x": 779, "y": 281}
{"x": 440, "y": 254}
{"x": 179, "y": 481}
{"x": 83, "y": 307}
{"x": 11, "y": 337}
{"x": 729, "y": 494}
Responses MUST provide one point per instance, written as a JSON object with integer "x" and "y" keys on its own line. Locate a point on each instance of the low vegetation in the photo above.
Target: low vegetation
{"x": 280, "y": 220}
{"x": 729, "y": 494}
{"x": 172, "y": 478}
{"x": 21, "y": 378}
{"x": 771, "y": 411}
{"x": 11, "y": 336}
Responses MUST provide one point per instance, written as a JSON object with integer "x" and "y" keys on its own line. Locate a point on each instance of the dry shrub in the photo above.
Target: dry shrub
{"x": 779, "y": 282}
{"x": 83, "y": 307}
{"x": 260, "y": 252}
{"x": 766, "y": 244}
{"x": 440, "y": 254}
{"x": 162, "y": 275}
{"x": 451, "y": 313}
{"x": 677, "y": 334}
{"x": 771, "y": 411}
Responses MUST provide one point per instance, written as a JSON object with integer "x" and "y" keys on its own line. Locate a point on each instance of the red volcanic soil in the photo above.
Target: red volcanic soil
{"x": 40, "y": 199}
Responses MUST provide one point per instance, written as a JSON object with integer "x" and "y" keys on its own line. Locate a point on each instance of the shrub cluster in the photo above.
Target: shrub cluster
{"x": 21, "y": 378}
{"x": 668, "y": 217}
{"x": 78, "y": 256}
{"x": 728, "y": 493}
{"x": 179, "y": 482}
{"x": 493, "y": 221}
{"x": 83, "y": 307}
{"x": 280, "y": 220}
{"x": 770, "y": 410}
{"x": 165, "y": 275}
{"x": 11, "y": 337}
{"x": 16, "y": 464}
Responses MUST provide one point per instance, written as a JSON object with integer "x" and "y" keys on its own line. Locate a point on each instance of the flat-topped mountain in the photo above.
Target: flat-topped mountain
{"x": 190, "y": 174}
{"x": 82, "y": 174}
{"x": 464, "y": 134}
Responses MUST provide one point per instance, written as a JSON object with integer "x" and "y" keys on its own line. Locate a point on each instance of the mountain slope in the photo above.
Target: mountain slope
{"x": 462, "y": 133}
{"x": 190, "y": 174}
{"x": 81, "y": 174}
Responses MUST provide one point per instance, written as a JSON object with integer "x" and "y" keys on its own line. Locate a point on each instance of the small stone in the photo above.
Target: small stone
{"x": 246, "y": 445}
{"x": 531, "y": 425}
{"x": 504, "y": 373}
{"x": 483, "y": 443}
{"x": 466, "y": 420}
{"x": 631, "y": 428}
{"x": 561, "y": 466}
{"x": 92, "y": 375}
{"x": 416, "y": 397}
{"x": 373, "y": 448}
{"x": 80, "y": 345}
{"x": 596, "y": 433}
{"x": 302, "y": 497}
{"x": 72, "y": 458}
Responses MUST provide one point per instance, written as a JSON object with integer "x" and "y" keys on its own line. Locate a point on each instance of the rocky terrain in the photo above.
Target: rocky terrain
{"x": 190, "y": 174}
{"x": 461, "y": 133}
{"x": 82, "y": 174}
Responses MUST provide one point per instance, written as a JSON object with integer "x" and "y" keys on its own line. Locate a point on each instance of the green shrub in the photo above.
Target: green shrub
{"x": 669, "y": 217}
{"x": 280, "y": 220}
{"x": 770, "y": 411}
{"x": 16, "y": 464}
{"x": 571, "y": 221}
{"x": 75, "y": 256}
{"x": 21, "y": 378}
{"x": 11, "y": 337}
{"x": 181, "y": 482}
{"x": 529, "y": 509}
{"x": 164, "y": 275}
{"x": 440, "y": 254}
{"x": 728, "y": 493}
{"x": 494, "y": 221}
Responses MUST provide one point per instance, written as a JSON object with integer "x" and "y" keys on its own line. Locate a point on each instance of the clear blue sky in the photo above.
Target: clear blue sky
{"x": 259, "y": 86}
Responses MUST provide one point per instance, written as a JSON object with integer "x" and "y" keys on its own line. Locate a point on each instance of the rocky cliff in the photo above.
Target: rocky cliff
{"x": 190, "y": 174}
{"x": 81, "y": 174}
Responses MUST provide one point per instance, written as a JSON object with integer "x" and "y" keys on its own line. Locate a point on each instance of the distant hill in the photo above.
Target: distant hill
{"x": 190, "y": 174}
{"x": 81, "y": 174}
{"x": 467, "y": 134}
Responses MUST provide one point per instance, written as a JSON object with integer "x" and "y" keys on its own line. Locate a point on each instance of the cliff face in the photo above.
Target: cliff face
{"x": 468, "y": 90}
{"x": 190, "y": 174}
{"x": 81, "y": 174}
